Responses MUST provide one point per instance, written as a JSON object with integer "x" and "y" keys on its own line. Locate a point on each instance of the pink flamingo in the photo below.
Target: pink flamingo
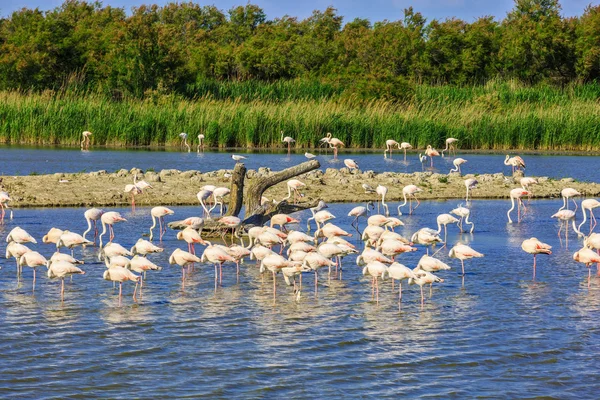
{"x": 515, "y": 162}
{"x": 33, "y": 259}
{"x": 400, "y": 272}
{"x": 316, "y": 261}
{"x": 93, "y": 214}
{"x": 389, "y": 145}
{"x": 334, "y": 143}
{"x": 85, "y": 143}
{"x": 200, "y": 143}
{"x": 109, "y": 218}
{"x": 450, "y": 146}
{"x": 191, "y": 237}
{"x": 423, "y": 278}
{"x": 463, "y": 252}
{"x": 565, "y": 216}
{"x": 516, "y": 194}
{"x": 159, "y": 213}
{"x": 431, "y": 152}
{"x": 121, "y": 274}
{"x": 145, "y": 247}
{"x": 182, "y": 258}
{"x": 470, "y": 184}
{"x": 457, "y": 163}
{"x": 233, "y": 223}
{"x": 295, "y": 185}
{"x": 274, "y": 263}
{"x": 589, "y": 204}
{"x": 52, "y": 236}
{"x": 588, "y": 257}
{"x": 377, "y": 270}
{"x": 4, "y": 199}
{"x": 409, "y": 192}
{"x": 71, "y": 240}
{"x": 535, "y": 247}
{"x": 282, "y": 220}
{"x": 405, "y": 146}
{"x": 351, "y": 165}
{"x": 288, "y": 140}
{"x": 62, "y": 269}
{"x": 566, "y": 194}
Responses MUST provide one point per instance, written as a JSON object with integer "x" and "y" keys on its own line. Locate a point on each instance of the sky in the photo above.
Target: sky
{"x": 374, "y": 10}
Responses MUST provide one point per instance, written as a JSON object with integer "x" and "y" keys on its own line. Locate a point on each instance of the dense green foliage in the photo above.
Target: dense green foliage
{"x": 194, "y": 50}
{"x": 494, "y": 116}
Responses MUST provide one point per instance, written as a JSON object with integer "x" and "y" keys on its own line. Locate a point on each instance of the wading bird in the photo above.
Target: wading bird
{"x": 535, "y": 247}
{"x": 85, "y": 143}
{"x": 450, "y": 146}
{"x": 288, "y": 140}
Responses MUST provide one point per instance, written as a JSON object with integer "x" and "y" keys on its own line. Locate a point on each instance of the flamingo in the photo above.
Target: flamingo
{"x": 218, "y": 196}
{"x": 405, "y": 146}
{"x": 382, "y": 191}
{"x": 422, "y": 160}
{"x": 369, "y": 255}
{"x": 4, "y": 198}
{"x": 376, "y": 269}
{"x": 282, "y": 220}
{"x": 535, "y": 247}
{"x": 159, "y": 213}
{"x": 400, "y": 272}
{"x": 289, "y": 142}
{"x": 409, "y": 192}
{"x": 121, "y": 274}
{"x": 314, "y": 210}
{"x": 330, "y": 230}
{"x": 133, "y": 190}
{"x": 71, "y": 240}
{"x": 274, "y": 263}
{"x": 389, "y": 144}
{"x": 377, "y": 220}
{"x": 184, "y": 142}
{"x": 431, "y": 152}
{"x": 64, "y": 257}
{"x": 372, "y": 234}
{"x": 310, "y": 156}
{"x": 422, "y": 278}
{"x": 295, "y": 185}
{"x": 297, "y": 236}
{"x": 183, "y": 258}
{"x": 515, "y": 162}
{"x": 516, "y": 194}
{"x": 589, "y": 204}
{"x": 92, "y": 214}
{"x": 204, "y": 195}
{"x": 392, "y": 223}
{"x": 450, "y": 146}
{"x": 233, "y": 223}
{"x": 292, "y": 272}
{"x": 145, "y": 247}
{"x": 316, "y": 261}
{"x": 470, "y": 184}
{"x": 427, "y": 237}
{"x": 237, "y": 253}
{"x": 32, "y": 259}
{"x": 445, "y": 219}
{"x": 431, "y": 264}
{"x": 358, "y": 212}
{"x": 191, "y": 237}
{"x": 19, "y": 235}
{"x": 325, "y": 141}
{"x": 109, "y": 218}
{"x": 52, "y": 236}
{"x": 588, "y": 257}
{"x": 16, "y": 250}
{"x": 463, "y": 252}
{"x": 62, "y": 269}
{"x": 566, "y": 194}
{"x": 112, "y": 250}
{"x": 526, "y": 182}
{"x": 85, "y": 143}
{"x": 141, "y": 264}
{"x": 334, "y": 143}
{"x": 463, "y": 212}
{"x": 565, "y": 216}
{"x": 392, "y": 248}
{"x": 351, "y": 165}
{"x": 457, "y": 163}
{"x": 200, "y": 143}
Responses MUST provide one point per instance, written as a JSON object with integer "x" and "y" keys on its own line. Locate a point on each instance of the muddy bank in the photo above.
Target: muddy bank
{"x": 173, "y": 187}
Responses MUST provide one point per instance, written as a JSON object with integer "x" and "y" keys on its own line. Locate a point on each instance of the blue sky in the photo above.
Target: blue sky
{"x": 374, "y": 10}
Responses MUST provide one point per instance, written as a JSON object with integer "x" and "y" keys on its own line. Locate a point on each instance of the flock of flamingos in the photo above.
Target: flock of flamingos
{"x": 292, "y": 253}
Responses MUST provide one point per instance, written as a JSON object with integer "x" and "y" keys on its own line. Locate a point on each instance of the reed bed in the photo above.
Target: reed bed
{"x": 494, "y": 116}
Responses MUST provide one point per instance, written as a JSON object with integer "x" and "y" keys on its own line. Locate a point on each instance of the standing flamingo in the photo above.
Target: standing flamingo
{"x": 351, "y": 165}
{"x": 71, "y": 240}
{"x": 431, "y": 152}
{"x": 52, "y": 236}
{"x": 382, "y": 191}
{"x": 377, "y": 270}
{"x": 588, "y": 257}
{"x": 182, "y": 258}
{"x": 422, "y": 160}
{"x": 109, "y": 218}
{"x": 191, "y": 237}
{"x": 314, "y": 210}
{"x": 334, "y": 143}
{"x": 463, "y": 213}
{"x": 62, "y": 269}
{"x": 360, "y": 211}
{"x": 445, "y": 219}
{"x": 288, "y": 140}
{"x": 121, "y": 274}
{"x": 566, "y": 194}
{"x": 184, "y": 142}
{"x": 218, "y": 197}
{"x": 389, "y": 145}
{"x": 423, "y": 278}
{"x": 325, "y": 141}
{"x": 274, "y": 263}
{"x": 457, "y": 163}
{"x": 405, "y": 146}
{"x": 450, "y": 146}
{"x": 515, "y": 162}
{"x": 516, "y": 194}
{"x": 535, "y": 247}
{"x": 589, "y": 204}
{"x": 19, "y": 235}
{"x": 295, "y": 185}
{"x": 470, "y": 184}
{"x": 463, "y": 252}
{"x": 200, "y": 143}
{"x": 33, "y": 259}
{"x": 565, "y": 216}
{"x": 4, "y": 199}
{"x": 400, "y": 272}
{"x": 409, "y": 192}
{"x": 92, "y": 214}
{"x": 133, "y": 190}
{"x": 159, "y": 213}
{"x": 85, "y": 143}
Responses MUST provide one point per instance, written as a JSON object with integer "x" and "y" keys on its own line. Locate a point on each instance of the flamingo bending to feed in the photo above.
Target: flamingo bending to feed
{"x": 377, "y": 270}
{"x": 93, "y": 214}
{"x": 184, "y": 142}
{"x": 334, "y": 143}
{"x": 565, "y": 216}
{"x": 295, "y": 185}
{"x": 516, "y": 194}
{"x": 85, "y": 143}
{"x": 445, "y": 219}
{"x": 389, "y": 145}
{"x": 71, "y": 240}
{"x": 450, "y": 146}
{"x": 515, "y": 162}
{"x": 200, "y": 143}
{"x": 566, "y": 194}
{"x": 4, "y": 198}
{"x": 409, "y": 192}
{"x": 589, "y": 204}
{"x": 288, "y": 140}
{"x": 382, "y": 191}
{"x": 109, "y": 218}
{"x": 62, "y": 269}
{"x": 463, "y": 252}
{"x": 33, "y": 259}
{"x": 351, "y": 165}
{"x": 427, "y": 237}
{"x": 588, "y": 257}
{"x": 359, "y": 211}
{"x": 422, "y": 160}
{"x": 405, "y": 146}
{"x": 182, "y": 258}
{"x": 463, "y": 213}
{"x": 121, "y": 274}
{"x": 325, "y": 141}
{"x": 422, "y": 278}
{"x": 470, "y": 184}
{"x": 159, "y": 213}
{"x": 133, "y": 190}
{"x": 457, "y": 163}
{"x": 535, "y": 247}
{"x": 204, "y": 195}
{"x": 526, "y": 182}
{"x": 431, "y": 152}
{"x": 218, "y": 197}
{"x": 314, "y": 210}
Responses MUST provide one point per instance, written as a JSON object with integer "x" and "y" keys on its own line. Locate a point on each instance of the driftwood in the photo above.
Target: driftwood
{"x": 236, "y": 197}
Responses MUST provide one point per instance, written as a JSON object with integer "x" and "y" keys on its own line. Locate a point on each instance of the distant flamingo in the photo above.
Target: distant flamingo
{"x": 405, "y": 146}
{"x": 515, "y": 162}
{"x": 92, "y": 214}
{"x": 109, "y": 218}
{"x": 535, "y": 247}
{"x": 463, "y": 252}
{"x": 314, "y": 210}
{"x": 85, "y": 143}
{"x": 62, "y": 269}
{"x": 351, "y": 165}
{"x": 288, "y": 140}
{"x": 295, "y": 185}
{"x": 566, "y": 194}
{"x": 389, "y": 145}
{"x": 516, "y": 194}
{"x": 422, "y": 160}
{"x": 565, "y": 216}
{"x": 588, "y": 257}
{"x": 450, "y": 146}
{"x": 4, "y": 199}
{"x": 334, "y": 143}
{"x": 457, "y": 163}
{"x": 184, "y": 142}
{"x": 159, "y": 213}
{"x": 589, "y": 204}
{"x": 470, "y": 184}
{"x": 409, "y": 192}
{"x": 382, "y": 191}
{"x": 357, "y": 212}
{"x": 200, "y": 143}
{"x": 431, "y": 152}
{"x": 463, "y": 213}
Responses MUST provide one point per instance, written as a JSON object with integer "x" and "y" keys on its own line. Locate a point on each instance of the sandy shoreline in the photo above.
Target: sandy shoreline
{"x": 173, "y": 187}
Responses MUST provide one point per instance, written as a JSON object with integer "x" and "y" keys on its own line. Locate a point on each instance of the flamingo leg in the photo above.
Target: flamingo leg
{"x": 62, "y": 289}
{"x": 316, "y": 282}
{"x": 34, "y": 279}
{"x": 462, "y": 263}
{"x": 377, "y": 286}
{"x": 274, "y": 288}
{"x": 534, "y": 262}
{"x": 220, "y": 273}
{"x": 135, "y": 291}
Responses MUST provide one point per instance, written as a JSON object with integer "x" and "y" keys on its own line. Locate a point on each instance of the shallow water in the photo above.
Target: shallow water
{"x": 27, "y": 160}
{"x": 498, "y": 334}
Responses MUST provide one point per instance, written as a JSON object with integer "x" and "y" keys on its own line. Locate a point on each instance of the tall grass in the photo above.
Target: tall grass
{"x": 500, "y": 115}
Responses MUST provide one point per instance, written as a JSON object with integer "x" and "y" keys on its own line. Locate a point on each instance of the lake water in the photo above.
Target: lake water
{"x": 16, "y": 160}
{"x": 499, "y": 334}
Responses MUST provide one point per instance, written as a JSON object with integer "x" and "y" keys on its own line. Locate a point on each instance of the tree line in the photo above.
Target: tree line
{"x": 187, "y": 49}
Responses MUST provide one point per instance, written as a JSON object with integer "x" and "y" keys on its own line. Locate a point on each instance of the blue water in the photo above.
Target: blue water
{"x": 497, "y": 334}
{"x": 27, "y": 160}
